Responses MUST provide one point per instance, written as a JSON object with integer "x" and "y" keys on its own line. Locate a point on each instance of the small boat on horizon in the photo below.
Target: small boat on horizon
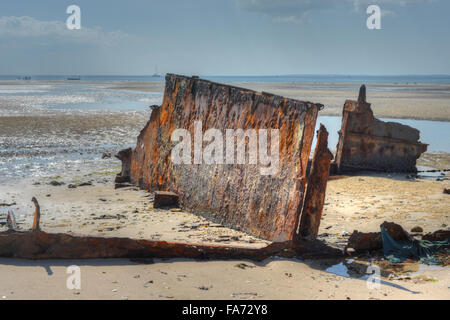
{"x": 156, "y": 74}
{"x": 74, "y": 78}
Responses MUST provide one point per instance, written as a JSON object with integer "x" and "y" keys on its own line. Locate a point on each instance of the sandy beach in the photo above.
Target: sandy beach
{"x": 59, "y": 158}
{"x": 360, "y": 202}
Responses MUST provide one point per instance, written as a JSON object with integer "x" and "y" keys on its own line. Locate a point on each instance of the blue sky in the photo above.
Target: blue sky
{"x": 225, "y": 37}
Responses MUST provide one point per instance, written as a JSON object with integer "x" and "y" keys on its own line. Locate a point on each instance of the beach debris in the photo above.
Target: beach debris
{"x": 110, "y": 216}
{"x": 37, "y": 215}
{"x": 84, "y": 184}
{"x": 233, "y": 195}
{"x": 204, "y": 288}
{"x": 369, "y": 241}
{"x": 316, "y": 187}
{"x": 4, "y": 204}
{"x": 56, "y": 183}
{"x": 446, "y": 191}
{"x": 417, "y": 229}
{"x": 366, "y": 143}
{"x": 439, "y": 235}
{"x": 165, "y": 199}
{"x": 3, "y": 218}
{"x": 423, "y": 250}
{"x": 11, "y": 221}
{"x": 244, "y": 266}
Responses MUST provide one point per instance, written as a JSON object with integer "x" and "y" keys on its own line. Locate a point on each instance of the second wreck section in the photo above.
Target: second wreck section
{"x": 235, "y": 195}
{"x": 366, "y": 143}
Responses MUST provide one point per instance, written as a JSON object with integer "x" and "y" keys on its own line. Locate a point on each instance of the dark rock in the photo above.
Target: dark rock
{"x": 83, "y": 184}
{"x": 417, "y": 229}
{"x": 106, "y": 155}
{"x": 56, "y": 183}
{"x": 439, "y": 235}
{"x": 165, "y": 199}
{"x": 446, "y": 191}
{"x": 7, "y": 204}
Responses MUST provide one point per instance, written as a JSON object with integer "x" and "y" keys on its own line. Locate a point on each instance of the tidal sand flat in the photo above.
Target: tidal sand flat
{"x": 57, "y": 142}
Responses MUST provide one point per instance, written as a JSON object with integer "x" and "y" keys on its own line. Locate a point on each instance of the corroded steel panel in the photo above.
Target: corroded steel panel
{"x": 317, "y": 184}
{"x": 366, "y": 143}
{"x": 236, "y": 195}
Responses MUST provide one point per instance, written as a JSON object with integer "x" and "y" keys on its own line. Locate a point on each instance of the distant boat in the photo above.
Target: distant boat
{"x": 25, "y": 78}
{"x": 74, "y": 78}
{"x": 156, "y": 74}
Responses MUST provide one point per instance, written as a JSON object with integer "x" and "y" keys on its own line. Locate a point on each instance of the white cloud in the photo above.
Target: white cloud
{"x": 28, "y": 27}
{"x": 362, "y": 4}
{"x": 285, "y": 10}
{"x": 298, "y": 10}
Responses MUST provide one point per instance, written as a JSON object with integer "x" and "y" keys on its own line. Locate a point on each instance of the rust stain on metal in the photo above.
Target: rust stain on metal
{"x": 317, "y": 184}
{"x": 237, "y": 196}
{"x": 366, "y": 143}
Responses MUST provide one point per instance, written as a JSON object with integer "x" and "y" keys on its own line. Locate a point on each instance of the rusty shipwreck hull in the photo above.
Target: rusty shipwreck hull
{"x": 237, "y": 196}
{"x": 366, "y": 143}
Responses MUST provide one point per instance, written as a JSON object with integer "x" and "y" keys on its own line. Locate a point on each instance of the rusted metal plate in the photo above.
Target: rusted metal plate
{"x": 236, "y": 195}
{"x": 42, "y": 245}
{"x": 366, "y": 143}
{"x": 165, "y": 199}
{"x": 317, "y": 184}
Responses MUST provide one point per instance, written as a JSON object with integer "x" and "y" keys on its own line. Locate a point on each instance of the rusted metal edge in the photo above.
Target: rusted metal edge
{"x": 42, "y": 245}
{"x": 316, "y": 187}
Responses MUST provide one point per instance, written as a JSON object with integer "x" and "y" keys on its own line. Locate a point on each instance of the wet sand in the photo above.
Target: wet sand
{"x": 413, "y": 101}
